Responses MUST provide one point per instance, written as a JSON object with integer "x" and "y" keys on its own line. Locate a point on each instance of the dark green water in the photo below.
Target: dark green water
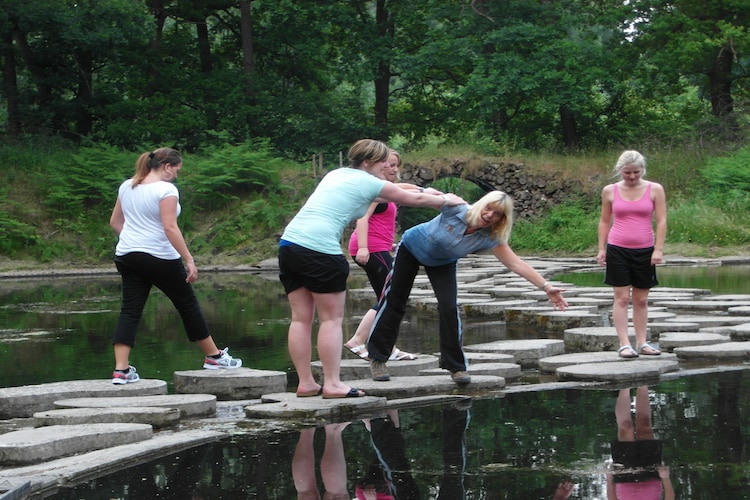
{"x": 517, "y": 446}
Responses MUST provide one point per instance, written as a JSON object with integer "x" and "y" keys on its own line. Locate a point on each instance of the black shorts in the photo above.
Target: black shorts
{"x": 630, "y": 267}
{"x": 300, "y": 267}
{"x": 636, "y": 460}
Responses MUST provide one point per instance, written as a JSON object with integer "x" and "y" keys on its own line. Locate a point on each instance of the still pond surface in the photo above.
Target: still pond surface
{"x": 519, "y": 446}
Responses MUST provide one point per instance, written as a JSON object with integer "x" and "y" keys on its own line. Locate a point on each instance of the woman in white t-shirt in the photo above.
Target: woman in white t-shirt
{"x": 150, "y": 252}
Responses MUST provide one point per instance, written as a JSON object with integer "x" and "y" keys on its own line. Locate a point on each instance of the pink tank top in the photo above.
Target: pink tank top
{"x": 382, "y": 230}
{"x": 632, "y": 226}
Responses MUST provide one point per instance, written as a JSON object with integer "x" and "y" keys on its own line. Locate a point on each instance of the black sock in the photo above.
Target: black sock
{"x": 126, "y": 370}
{"x": 216, "y": 356}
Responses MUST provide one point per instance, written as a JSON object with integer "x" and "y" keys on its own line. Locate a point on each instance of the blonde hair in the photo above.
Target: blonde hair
{"x": 499, "y": 201}
{"x": 153, "y": 160}
{"x": 630, "y": 157}
{"x": 367, "y": 150}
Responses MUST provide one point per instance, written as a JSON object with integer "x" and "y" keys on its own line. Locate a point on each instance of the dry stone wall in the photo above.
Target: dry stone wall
{"x": 532, "y": 194}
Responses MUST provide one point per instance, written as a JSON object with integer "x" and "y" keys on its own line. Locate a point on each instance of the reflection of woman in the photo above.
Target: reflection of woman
{"x": 332, "y": 465}
{"x": 437, "y": 245}
{"x": 389, "y": 476}
{"x": 150, "y": 252}
{"x": 637, "y": 472}
{"x": 629, "y": 248}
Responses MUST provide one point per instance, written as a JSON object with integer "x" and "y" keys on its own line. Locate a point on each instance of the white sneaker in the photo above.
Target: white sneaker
{"x": 120, "y": 378}
{"x": 225, "y": 361}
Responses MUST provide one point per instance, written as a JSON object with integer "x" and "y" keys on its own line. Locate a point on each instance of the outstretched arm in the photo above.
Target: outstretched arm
{"x": 513, "y": 262}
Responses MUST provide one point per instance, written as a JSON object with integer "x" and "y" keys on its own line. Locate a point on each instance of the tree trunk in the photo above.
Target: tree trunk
{"x": 10, "y": 82}
{"x": 84, "y": 121}
{"x": 248, "y": 52}
{"x": 383, "y": 75}
{"x": 204, "y": 46}
{"x": 568, "y": 128}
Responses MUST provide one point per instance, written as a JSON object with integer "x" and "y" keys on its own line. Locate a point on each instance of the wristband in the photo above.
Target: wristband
{"x": 544, "y": 286}
{"x": 445, "y": 200}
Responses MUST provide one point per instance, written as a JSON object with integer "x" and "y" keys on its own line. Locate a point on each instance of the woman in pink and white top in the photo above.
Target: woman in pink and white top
{"x": 370, "y": 245}
{"x": 630, "y": 248}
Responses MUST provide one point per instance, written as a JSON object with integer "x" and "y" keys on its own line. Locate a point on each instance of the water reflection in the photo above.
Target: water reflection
{"x": 637, "y": 469}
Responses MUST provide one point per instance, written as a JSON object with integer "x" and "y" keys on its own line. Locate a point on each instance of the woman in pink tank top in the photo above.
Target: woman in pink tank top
{"x": 370, "y": 245}
{"x": 630, "y": 248}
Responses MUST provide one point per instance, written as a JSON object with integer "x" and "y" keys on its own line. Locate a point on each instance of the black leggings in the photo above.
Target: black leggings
{"x": 140, "y": 271}
{"x": 391, "y": 309}
{"x": 377, "y": 268}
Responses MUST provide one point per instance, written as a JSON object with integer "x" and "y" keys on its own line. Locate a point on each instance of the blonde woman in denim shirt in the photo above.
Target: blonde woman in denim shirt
{"x": 437, "y": 245}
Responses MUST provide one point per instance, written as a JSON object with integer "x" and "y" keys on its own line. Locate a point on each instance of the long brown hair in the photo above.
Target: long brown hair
{"x": 153, "y": 160}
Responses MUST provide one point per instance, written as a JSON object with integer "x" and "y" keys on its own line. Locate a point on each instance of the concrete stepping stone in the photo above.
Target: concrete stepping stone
{"x": 527, "y": 315}
{"x": 156, "y": 417}
{"x": 488, "y": 357}
{"x": 740, "y": 332}
{"x": 634, "y": 369}
{"x": 29, "y": 446}
{"x": 49, "y": 476}
{"x": 526, "y": 352}
{"x": 427, "y": 385}
{"x": 593, "y": 339}
{"x": 228, "y": 385}
{"x": 743, "y": 297}
{"x": 559, "y": 321}
{"x": 23, "y": 401}
{"x": 552, "y": 363}
{"x": 710, "y": 320}
{"x": 739, "y": 310}
{"x": 729, "y": 351}
{"x": 703, "y": 304}
{"x": 190, "y": 405}
{"x": 668, "y": 341}
{"x": 494, "y": 308}
{"x": 286, "y": 405}
{"x": 656, "y": 327}
{"x": 504, "y": 292}
{"x": 504, "y": 370}
{"x": 355, "y": 369}
{"x": 654, "y": 314}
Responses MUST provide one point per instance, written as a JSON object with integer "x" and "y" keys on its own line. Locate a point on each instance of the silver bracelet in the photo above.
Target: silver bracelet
{"x": 544, "y": 286}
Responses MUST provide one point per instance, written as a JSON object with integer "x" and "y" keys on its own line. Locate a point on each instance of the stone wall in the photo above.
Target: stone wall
{"x": 532, "y": 194}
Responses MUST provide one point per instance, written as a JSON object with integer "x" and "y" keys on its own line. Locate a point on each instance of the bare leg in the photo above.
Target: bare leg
{"x": 643, "y": 427}
{"x": 300, "y": 337}
{"x": 122, "y": 356}
{"x": 363, "y": 330}
{"x": 625, "y": 430}
{"x": 303, "y": 466}
{"x": 333, "y": 463}
{"x": 330, "y": 308}
{"x": 640, "y": 315}
{"x": 208, "y": 346}
{"x": 620, "y": 313}
{"x": 363, "y": 333}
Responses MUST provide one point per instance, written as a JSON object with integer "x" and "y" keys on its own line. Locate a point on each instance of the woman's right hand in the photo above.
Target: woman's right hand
{"x": 363, "y": 255}
{"x": 452, "y": 200}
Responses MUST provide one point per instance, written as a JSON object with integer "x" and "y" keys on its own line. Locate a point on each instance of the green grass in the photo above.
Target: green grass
{"x": 705, "y": 216}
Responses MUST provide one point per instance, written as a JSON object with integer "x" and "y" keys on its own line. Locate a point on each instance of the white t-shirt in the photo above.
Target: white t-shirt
{"x": 342, "y": 196}
{"x": 143, "y": 230}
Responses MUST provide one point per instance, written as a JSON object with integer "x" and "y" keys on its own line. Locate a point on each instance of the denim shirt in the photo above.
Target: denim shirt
{"x": 442, "y": 241}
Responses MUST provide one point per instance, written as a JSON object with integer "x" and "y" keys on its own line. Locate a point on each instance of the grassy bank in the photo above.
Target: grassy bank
{"x": 56, "y": 200}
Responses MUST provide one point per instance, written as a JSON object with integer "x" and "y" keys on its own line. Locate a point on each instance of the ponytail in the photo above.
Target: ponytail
{"x": 153, "y": 161}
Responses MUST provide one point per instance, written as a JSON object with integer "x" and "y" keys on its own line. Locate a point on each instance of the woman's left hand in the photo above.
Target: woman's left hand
{"x": 555, "y": 296}
{"x": 192, "y": 272}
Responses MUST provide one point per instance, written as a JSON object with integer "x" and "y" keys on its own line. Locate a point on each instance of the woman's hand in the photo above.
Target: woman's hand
{"x": 555, "y": 296}
{"x": 192, "y": 272}
{"x": 363, "y": 255}
{"x": 601, "y": 258}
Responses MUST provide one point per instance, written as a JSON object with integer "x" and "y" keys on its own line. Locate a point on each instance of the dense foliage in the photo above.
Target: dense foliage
{"x": 312, "y": 77}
